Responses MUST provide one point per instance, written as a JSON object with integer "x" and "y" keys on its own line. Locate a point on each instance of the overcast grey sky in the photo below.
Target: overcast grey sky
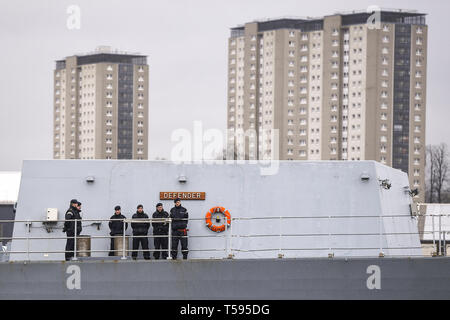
{"x": 186, "y": 44}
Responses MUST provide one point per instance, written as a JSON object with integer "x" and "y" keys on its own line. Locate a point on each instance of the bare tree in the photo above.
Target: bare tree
{"x": 429, "y": 178}
{"x": 442, "y": 170}
{"x": 430, "y": 184}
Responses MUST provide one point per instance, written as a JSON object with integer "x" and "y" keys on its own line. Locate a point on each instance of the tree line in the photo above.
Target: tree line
{"x": 437, "y": 178}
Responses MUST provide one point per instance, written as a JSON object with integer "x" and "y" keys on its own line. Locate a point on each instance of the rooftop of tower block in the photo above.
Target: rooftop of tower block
{"x": 105, "y": 54}
{"x": 348, "y": 18}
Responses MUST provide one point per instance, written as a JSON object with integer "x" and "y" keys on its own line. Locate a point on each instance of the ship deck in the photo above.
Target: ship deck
{"x": 213, "y": 279}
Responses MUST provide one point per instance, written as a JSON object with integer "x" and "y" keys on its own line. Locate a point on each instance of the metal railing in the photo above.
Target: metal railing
{"x": 440, "y": 244}
{"x": 228, "y": 236}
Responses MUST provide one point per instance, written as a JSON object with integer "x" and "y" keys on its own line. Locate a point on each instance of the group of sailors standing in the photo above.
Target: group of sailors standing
{"x": 118, "y": 226}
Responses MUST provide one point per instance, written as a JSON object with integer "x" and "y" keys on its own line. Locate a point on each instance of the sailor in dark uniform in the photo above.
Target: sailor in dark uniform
{"x": 140, "y": 230}
{"x": 116, "y": 226}
{"x": 160, "y": 231}
{"x": 69, "y": 227}
{"x": 179, "y": 216}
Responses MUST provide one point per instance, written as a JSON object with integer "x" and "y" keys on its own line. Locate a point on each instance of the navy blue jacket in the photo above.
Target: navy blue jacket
{"x": 179, "y": 217}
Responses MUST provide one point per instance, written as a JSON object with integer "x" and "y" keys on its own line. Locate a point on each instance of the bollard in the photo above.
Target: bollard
{"x": 121, "y": 246}
{"x": 83, "y": 246}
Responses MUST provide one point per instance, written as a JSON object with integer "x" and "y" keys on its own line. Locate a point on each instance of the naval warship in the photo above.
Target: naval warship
{"x": 284, "y": 230}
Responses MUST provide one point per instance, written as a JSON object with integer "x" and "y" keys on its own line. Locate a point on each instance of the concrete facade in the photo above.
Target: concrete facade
{"x": 335, "y": 88}
{"x": 101, "y": 107}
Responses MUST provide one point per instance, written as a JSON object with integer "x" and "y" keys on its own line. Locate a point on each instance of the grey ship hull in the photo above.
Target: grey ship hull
{"x": 399, "y": 278}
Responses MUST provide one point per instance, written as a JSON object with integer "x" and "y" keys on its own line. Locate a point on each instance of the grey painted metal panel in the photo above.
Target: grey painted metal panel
{"x": 6, "y": 228}
{"x": 297, "y": 189}
{"x": 419, "y": 278}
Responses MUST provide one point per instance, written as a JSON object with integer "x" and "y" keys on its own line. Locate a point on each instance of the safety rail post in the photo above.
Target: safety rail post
{"x": 226, "y": 237}
{"x": 75, "y": 241}
{"x": 445, "y": 244}
{"x": 28, "y": 245}
{"x": 169, "y": 241}
{"x": 440, "y": 239}
{"x": 231, "y": 255}
{"x": 123, "y": 242}
{"x": 150, "y": 237}
{"x": 381, "y": 254}
{"x": 330, "y": 253}
{"x": 280, "y": 252}
{"x": 434, "y": 236}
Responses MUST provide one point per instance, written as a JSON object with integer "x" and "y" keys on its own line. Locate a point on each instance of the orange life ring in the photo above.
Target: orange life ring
{"x": 208, "y": 218}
